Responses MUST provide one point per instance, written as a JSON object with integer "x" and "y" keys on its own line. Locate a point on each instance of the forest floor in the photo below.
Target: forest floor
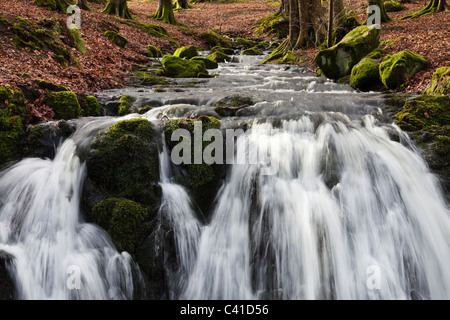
{"x": 105, "y": 65}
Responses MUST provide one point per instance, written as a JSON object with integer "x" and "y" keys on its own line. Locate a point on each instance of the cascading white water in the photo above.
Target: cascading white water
{"x": 54, "y": 254}
{"x": 381, "y": 230}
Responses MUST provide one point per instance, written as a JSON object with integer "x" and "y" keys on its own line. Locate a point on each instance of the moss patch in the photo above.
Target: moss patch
{"x": 125, "y": 105}
{"x": 116, "y": 38}
{"x": 274, "y": 25}
{"x": 186, "y": 52}
{"x": 252, "y": 52}
{"x": 153, "y": 52}
{"x": 208, "y": 63}
{"x": 397, "y": 67}
{"x": 64, "y": 103}
{"x": 440, "y": 82}
{"x": 365, "y": 74}
{"x": 218, "y": 56}
{"x": 181, "y": 68}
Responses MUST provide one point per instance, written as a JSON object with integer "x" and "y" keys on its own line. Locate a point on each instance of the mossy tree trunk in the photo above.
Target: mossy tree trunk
{"x": 83, "y": 4}
{"x": 433, "y": 6}
{"x": 118, "y": 7}
{"x": 164, "y": 12}
{"x": 312, "y": 27}
{"x": 181, "y": 4}
{"x": 380, "y": 4}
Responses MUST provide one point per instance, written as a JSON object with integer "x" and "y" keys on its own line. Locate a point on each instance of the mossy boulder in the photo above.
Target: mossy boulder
{"x": 392, "y": 6}
{"x": 377, "y": 53}
{"x": 282, "y": 57}
{"x": 243, "y": 43}
{"x": 177, "y": 67}
{"x": 116, "y": 38}
{"x": 90, "y": 106}
{"x": 218, "y": 56}
{"x": 365, "y": 74}
{"x": 252, "y": 52}
{"x": 275, "y": 24}
{"x": 186, "y": 52}
{"x": 47, "y": 85}
{"x": 208, "y": 63}
{"x": 41, "y": 140}
{"x": 338, "y": 61}
{"x": 12, "y": 120}
{"x": 212, "y": 39}
{"x": 396, "y": 68}
{"x": 121, "y": 219}
{"x": 227, "y": 51}
{"x": 126, "y": 102}
{"x": 200, "y": 178}
{"x": 64, "y": 104}
{"x": 123, "y": 161}
{"x": 57, "y": 5}
{"x": 153, "y": 52}
{"x": 423, "y": 112}
{"x": 440, "y": 82}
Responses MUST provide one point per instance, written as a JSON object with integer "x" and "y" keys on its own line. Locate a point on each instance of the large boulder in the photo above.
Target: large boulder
{"x": 123, "y": 161}
{"x": 440, "y": 82}
{"x": 187, "y": 52}
{"x": 177, "y": 67}
{"x": 338, "y": 61}
{"x": 209, "y": 64}
{"x": 365, "y": 74}
{"x": 397, "y": 67}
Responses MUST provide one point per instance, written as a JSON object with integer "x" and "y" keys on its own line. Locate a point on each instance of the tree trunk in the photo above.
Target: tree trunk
{"x": 181, "y": 4}
{"x": 433, "y": 6}
{"x": 380, "y": 4}
{"x": 83, "y": 5}
{"x": 294, "y": 23}
{"x": 312, "y": 28}
{"x": 284, "y": 6}
{"x": 118, "y": 7}
{"x": 338, "y": 12}
{"x": 165, "y": 12}
{"x": 330, "y": 23}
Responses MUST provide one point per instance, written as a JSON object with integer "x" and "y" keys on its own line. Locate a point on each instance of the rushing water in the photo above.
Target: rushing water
{"x": 341, "y": 207}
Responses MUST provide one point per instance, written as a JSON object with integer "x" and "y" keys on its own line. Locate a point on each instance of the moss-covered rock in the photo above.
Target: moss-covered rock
{"x": 212, "y": 39}
{"x": 183, "y": 68}
{"x": 365, "y": 74}
{"x": 218, "y": 56}
{"x": 124, "y": 161}
{"x": 12, "y": 119}
{"x": 282, "y": 57}
{"x": 397, "y": 67}
{"x": 275, "y": 24}
{"x": 46, "y": 85}
{"x": 393, "y": 6}
{"x": 186, "y": 52}
{"x": 208, "y": 63}
{"x": 77, "y": 40}
{"x": 377, "y": 53}
{"x": 90, "y": 106}
{"x": 440, "y": 82}
{"x": 121, "y": 219}
{"x": 65, "y": 104}
{"x": 58, "y": 5}
{"x": 227, "y": 51}
{"x": 338, "y": 61}
{"x": 200, "y": 178}
{"x": 116, "y": 38}
{"x": 243, "y": 43}
{"x": 153, "y": 52}
{"x": 126, "y": 102}
{"x": 252, "y": 52}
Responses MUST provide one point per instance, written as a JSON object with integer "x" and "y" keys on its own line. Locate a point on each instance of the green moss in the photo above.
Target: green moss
{"x": 243, "y": 43}
{"x": 377, "y": 53}
{"x": 286, "y": 57}
{"x": 58, "y": 5}
{"x": 26, "y": 34}
{"x": 252, "y": 52}
{"x": 338, "y": 61}
{"x": 78, "y": 41}
{"x": 275, "y": 24}
{"x": 392, "y": 6}
{"x": 181, "y": 68}
{"x": 46, "y": 85}
{"x": 124, "y": 161}
{"x": 151, "y": 29}
{"x": 424, "y": 112}
{"x": 126, "y": 103}
{"x": 153, "y": 52}
{"x": 228, "y": 51}
{"x": 64, "y": 103}
{"x": 440, "y": 82}
{"x": 12, "y": 119}
{"x": 213, "y": 39}
{"x": 121, "y": 218}
{"x": 397, "y": 67}
{"x": 187, "y": 52}
{"x": 90, "y": 106}
{"x": 208, "y": 63}
{"x": 365, "y": 74}
{"x": 116, "y": 38}
{"x": 121, "y": 10}
{"x": 218, "y": 56}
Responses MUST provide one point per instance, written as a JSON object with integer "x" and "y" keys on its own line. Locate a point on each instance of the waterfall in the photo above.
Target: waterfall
{"x": 349, "y": 214}
{"x": 54, "y": 253}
